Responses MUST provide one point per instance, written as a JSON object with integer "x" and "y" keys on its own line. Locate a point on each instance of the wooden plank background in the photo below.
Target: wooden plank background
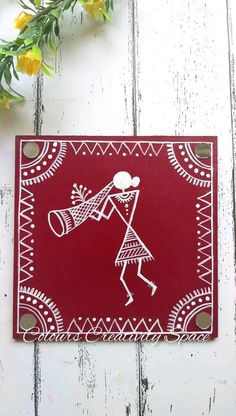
{"x": 161, "y": 68}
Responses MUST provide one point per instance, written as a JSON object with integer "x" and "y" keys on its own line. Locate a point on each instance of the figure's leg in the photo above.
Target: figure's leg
{"x": 129, "y": 294}
{"x": 149, "y": 283}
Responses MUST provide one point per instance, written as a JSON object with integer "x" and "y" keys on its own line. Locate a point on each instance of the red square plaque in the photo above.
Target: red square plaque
{"x": 115, "y": 238}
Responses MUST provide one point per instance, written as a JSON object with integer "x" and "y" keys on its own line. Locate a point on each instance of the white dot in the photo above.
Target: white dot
{"x": 83, "y": 153}
{"x": 108, "y": 319}
{"x": 190, "y": 166}
{"x": 34, "y": 301}
{"x": 197, "y": 218}
{"x": 126, "y": 205}
{"x": 120, "y": 319}
{"x": 200, "y": 300}
{"x": 49, "y": 156}
{"x": 180, "y": 319}
{"x": 150, "y": 154}
{"x": 52, "y": 327}
{"x": 44, "y": 163}
{"x": 45, "y": 313}
{"x": 25, "y": 174}
{"x": 123, "y": 154}
{"x": 208, "y": 175}
{"x": 196, "y": 170}
{"x": 198, "y": 271}
{"x": 136, "y": 154}
{"x": 198, "y": 257}
{"x": 32, "y": 213}
{"x": 198, "y": 232}
{"x": 32, "y": 170}
{"x": 55, "y": 144}
{"x": 186, "y": 159}
{"x": 31, "y": 268}
{"x": 80, "y": 318}
{"x": 98, "y": 154}
{"x": 178, "y": 326}
{"x": 94, "y": 319}
{"x": 53, "y": 150}
{"x": 28, "y": 299}
{"x": 188, "y": 307}
{"x": 32, "y": 199}
{"x": 110, "y": 154}
{"x": 32, "y": 226}
{"x": 40, "y": 306}
{"x": 134, "y": 319}
{"x": 31, "y": 253}
{"x": 32, "y": 241}
{"x": 202, "y": 173}
{"x": 199, "y": 244}
{"x": 193, "y": 303}
{"x": 181, "y": 146}
{"x": 49, "y": 319}
{"x": 22, "y": 297}
{"x": 183, "y": 312}
{"x": 197, "y": 205}
{"x": 207, "y": 298}
{"x": 182, "y": 153}
{"x": 149, "y": 320}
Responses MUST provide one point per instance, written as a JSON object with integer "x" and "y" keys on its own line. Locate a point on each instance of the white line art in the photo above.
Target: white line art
{"x": 102, "y": 206}
{"x": 26, "y": 227}
{"x": 115, "y": 326}
{"x": 45, "y": 165}
{"x": 187, "y": 308}
{"x": 188, "y": 165}
{"x": 116, "y": 148}
{"x": 204, "y": 250}
{"x": 43, "y": 308}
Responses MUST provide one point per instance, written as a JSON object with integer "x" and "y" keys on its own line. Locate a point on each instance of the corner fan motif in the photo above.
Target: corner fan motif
{"x": 102, "y": 206}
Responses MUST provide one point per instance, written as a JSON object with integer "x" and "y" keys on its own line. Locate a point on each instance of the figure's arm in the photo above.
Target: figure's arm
{"x": 98, "y": 215}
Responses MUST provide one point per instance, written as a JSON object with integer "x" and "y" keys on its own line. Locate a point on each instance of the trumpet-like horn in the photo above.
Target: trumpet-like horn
{"x": 65, "y": 220}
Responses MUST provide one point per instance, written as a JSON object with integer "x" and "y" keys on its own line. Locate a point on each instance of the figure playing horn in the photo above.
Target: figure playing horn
{"x": 102, "y": 206}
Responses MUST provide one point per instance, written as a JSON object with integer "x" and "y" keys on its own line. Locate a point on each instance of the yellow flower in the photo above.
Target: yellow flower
{"x": 30, "y": 62}
{"x": 21, "y": 20}
{"x": 4, "y": 102}
{"x": 95, "y": 8}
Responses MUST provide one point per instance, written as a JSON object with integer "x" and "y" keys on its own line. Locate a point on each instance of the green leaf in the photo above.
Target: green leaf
{"x": 45, "y": 71}
{"x": 7, "y": 76}
{"x": 49, "y": 66}
{"x": 106, "y": 16}
{"x": 37, "y": 52}
{"x": 28, "y": 42}
{"x": 56, "y": 13}
{"x": 37, "y": 3}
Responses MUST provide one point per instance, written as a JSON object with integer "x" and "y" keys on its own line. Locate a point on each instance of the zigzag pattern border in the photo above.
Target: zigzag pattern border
{"x": 115, "y": 327}
{"x": 201, "y": 238}
{"x": 118, "y": 147}
{"x": 24, "y": 228}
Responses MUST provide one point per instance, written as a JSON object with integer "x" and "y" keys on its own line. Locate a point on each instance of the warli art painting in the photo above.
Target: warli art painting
{"x": 115, "y": 238}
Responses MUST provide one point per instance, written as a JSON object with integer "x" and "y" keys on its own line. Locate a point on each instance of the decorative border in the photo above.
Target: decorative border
{"x": 122, "y": 148}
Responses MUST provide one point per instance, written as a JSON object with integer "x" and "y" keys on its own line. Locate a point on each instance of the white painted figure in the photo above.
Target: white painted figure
{"x": 132, "y": 249}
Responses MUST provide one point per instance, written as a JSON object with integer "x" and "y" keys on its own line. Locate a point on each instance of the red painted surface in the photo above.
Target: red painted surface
{"x": 174, "y": 233}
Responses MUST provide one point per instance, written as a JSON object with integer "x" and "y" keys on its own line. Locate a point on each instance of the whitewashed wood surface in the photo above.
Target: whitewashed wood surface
{"x": 161, "y": 68}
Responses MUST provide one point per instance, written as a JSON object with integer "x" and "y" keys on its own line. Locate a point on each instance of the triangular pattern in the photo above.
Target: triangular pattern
{"x": 114, "y": 326}
{"x": 25, "y": 246}
{"x": 116, "y": 147}
{"x": 205, "y": 237}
